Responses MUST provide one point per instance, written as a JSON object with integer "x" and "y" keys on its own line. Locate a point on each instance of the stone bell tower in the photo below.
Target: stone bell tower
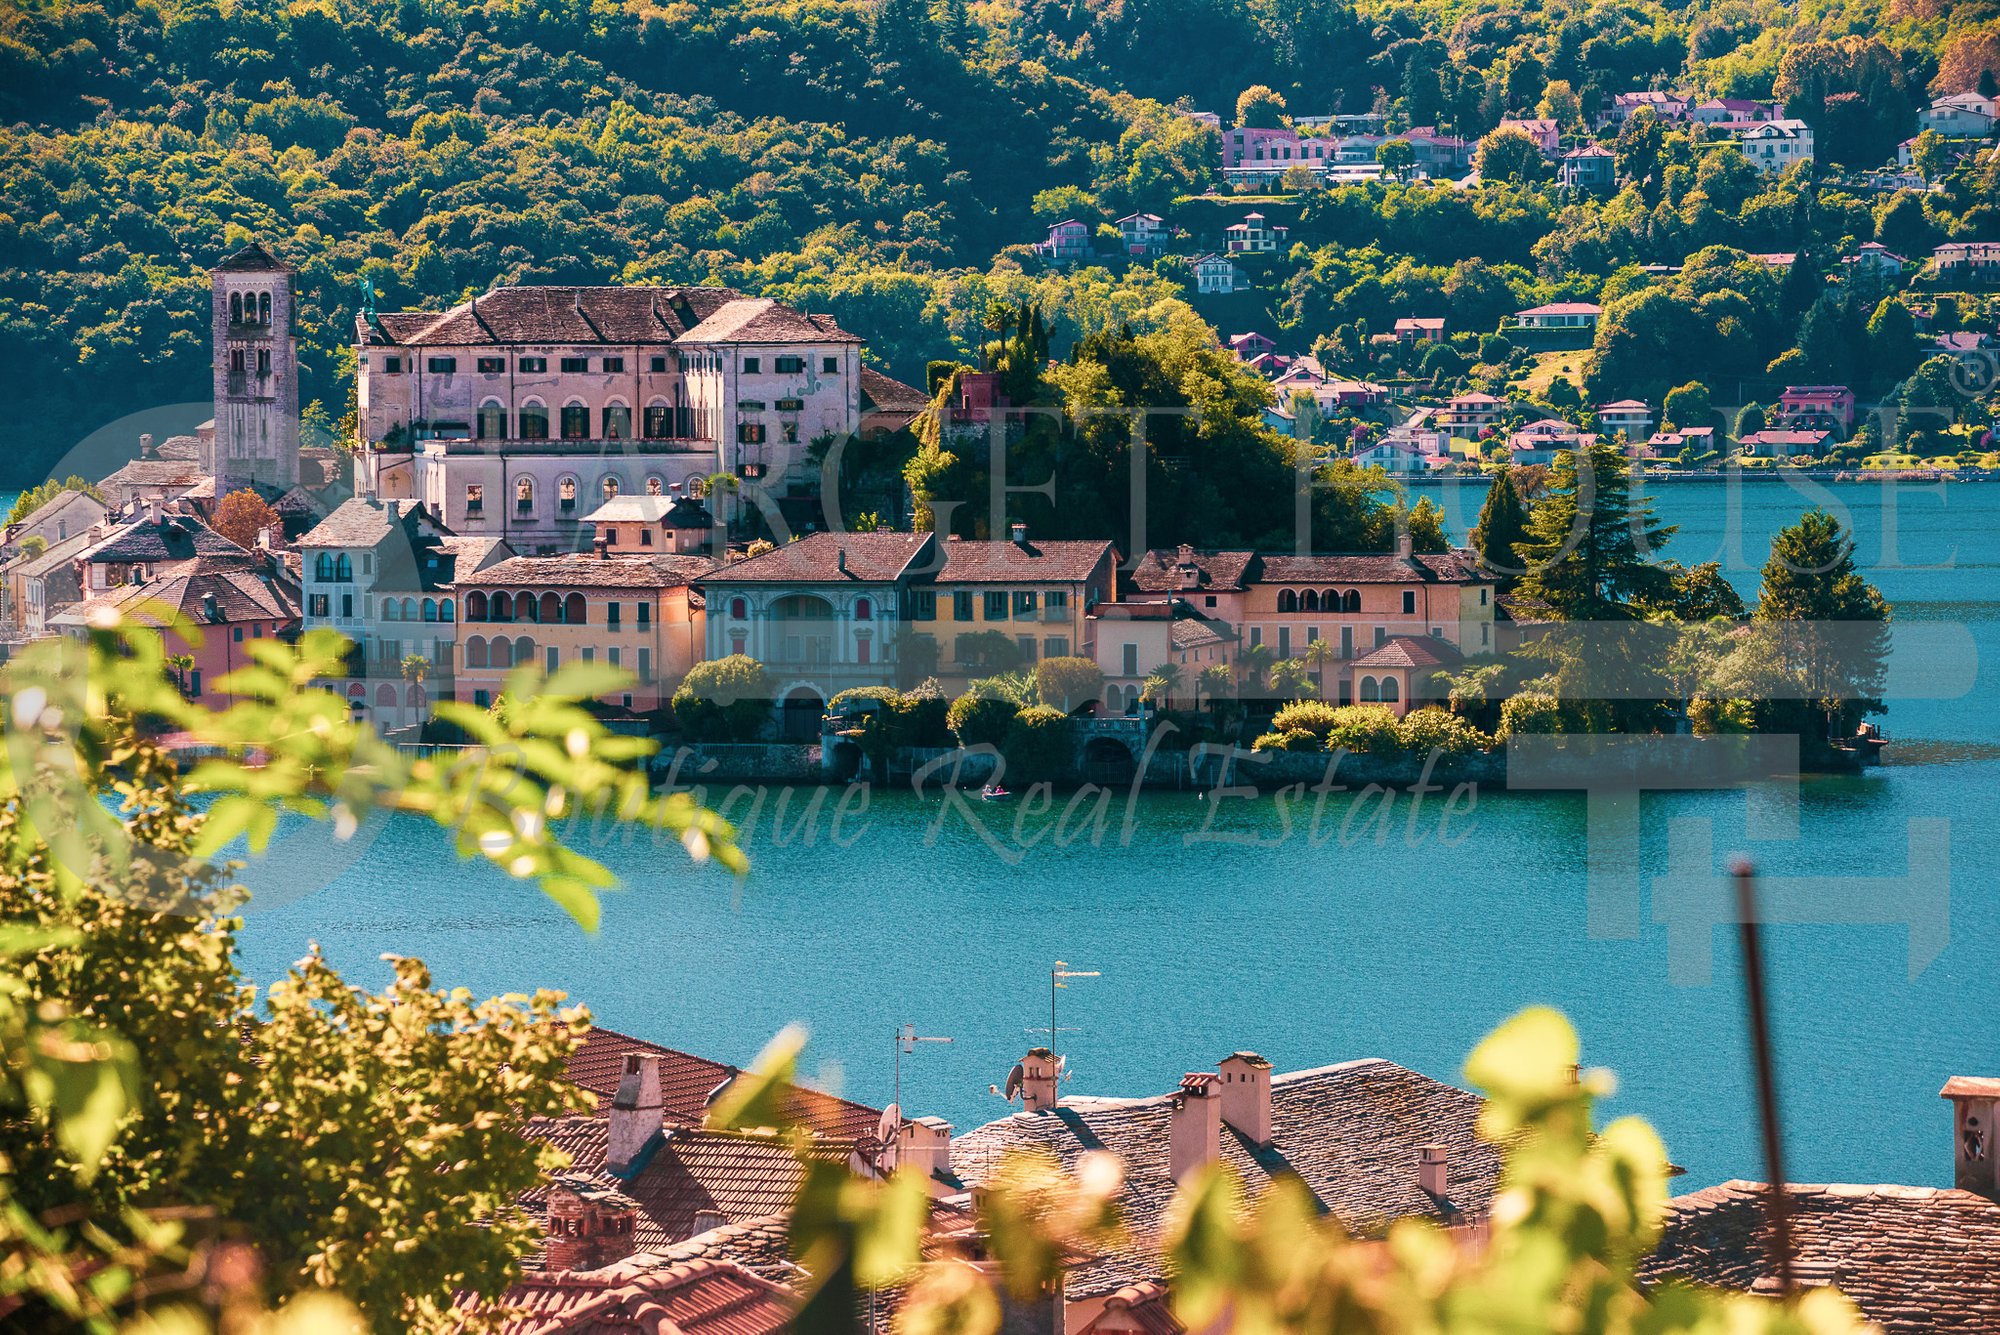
{"x": 255, "y": 440}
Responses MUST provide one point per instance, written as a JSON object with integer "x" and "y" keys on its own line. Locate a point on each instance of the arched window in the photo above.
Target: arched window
{"x": 475, "y": 606}
{"x": 1391, "y": 690}
{"x": 1287, "y": 601}
{"x": 385, "y": 696}
{"x": 575, "y": 421}
{"x": 263, "y": 308}
{"x": 1352, "y": 602}
{"x": 446, "y": 610}
{"x": 533, "y": 423}
{"x": 527, "y": 608}
{"x": 739, "y": 609}
{"x": 430, "y": 609}
{"x": 475, "y": 650}
{"x": 566, "y": 494}
{"x": 323, "y": 566}
{"x": 551, "y": 609}
{"x": 1369, "y": 689}
{"x": 343, "y": 568}
{"x": 416, "y": 696}
{"x": 391, "y": 609}
{"x": 1330, "y": 600}
{"x": 654, "y": 485}
{"x": 500, "y": 652}
{"x": 575, "y": 610}
{"x": 236, "y": 308}
{"x": 409, "y": 609}
{"x": 1309, "y": 601}
{"x": 610, "y": 485}
{"x": 617, "y": 422}
{"x": 524, "y": 651}
{"x": 864, "y": 610}
{"x": 501, "y": 608}
{"x": 491, "y": 424}
{"x": 524, "y": 494}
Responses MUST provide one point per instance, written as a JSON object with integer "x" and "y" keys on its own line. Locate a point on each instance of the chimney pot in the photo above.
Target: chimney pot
{"x": 588, "y": 1226}
{"x": 1246, "y": 1096}
{"x": 924, "y": 1144}
{"x": 1975, "y": 1103}
{"x": 145, "y": 445}
{"x": 1194, "y": 1127}
{"x": 1039, "y": 1080}
{"x": 1404, "y": 546}
{"x": 634, "y": 1126}
{"x": 1432, "y": 1163}
{"x": 1020, "y": 534}
{"x": 152, "y": 509}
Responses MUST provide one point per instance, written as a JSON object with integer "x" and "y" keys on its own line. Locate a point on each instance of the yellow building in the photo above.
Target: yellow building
{"x": 1037, "y": 595}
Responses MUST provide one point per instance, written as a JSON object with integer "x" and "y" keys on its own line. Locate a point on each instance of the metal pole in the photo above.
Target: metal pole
{"x": 1777, "y": 1206}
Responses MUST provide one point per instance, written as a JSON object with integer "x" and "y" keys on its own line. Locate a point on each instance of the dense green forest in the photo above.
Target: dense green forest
{"x": 882, "y": 160}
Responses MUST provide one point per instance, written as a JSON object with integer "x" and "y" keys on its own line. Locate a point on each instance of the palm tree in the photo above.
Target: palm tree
{"x": 415, "y": 668}
{"x": 182, "y": 664}
{"x": 1255, "y": 662}
{"x": 1160, "y": 687}
{"x": 1318, "y": 654}
{"x": 1291, "y": 679}
{"x": 1219, "y": 678}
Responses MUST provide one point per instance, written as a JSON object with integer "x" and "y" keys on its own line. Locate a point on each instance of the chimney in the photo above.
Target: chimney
{"x": 1039, "y": 1080}
{"x": 924, "y": 1144}
{"x": 589, "y": 1226}
{"x": 1975, "y": 1102}
{"x": 152, "y": 509}
{"x": 1246, "y": 1096}
{"x": 145, "y": 444}
{"x": 1194, "y": 1128}
{"x": 633, "y": 1130}
{"x": 1404, "y": 546}
{"x": 264, "y": 538}
{"x": 1431, "y": 1165}
{"x": 603, "y": 544}
{"x": 1019, "y": 532}
{"x": 840, "y": 561}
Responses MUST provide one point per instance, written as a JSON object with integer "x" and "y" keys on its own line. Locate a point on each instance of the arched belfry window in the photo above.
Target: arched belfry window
{"x": 236, "y": 308}
{"x": 263, "y": 308}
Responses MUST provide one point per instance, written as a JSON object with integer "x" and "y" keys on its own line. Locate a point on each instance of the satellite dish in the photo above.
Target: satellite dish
{"x": 1061, "y": 1062}
{"x": 886, "y": 1137}
{"x": 1014, "y": 1079}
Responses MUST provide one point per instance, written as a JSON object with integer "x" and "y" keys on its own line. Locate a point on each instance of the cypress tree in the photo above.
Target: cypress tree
{"x": 1832, "y": 626}
{"x": 1503, "y": 521}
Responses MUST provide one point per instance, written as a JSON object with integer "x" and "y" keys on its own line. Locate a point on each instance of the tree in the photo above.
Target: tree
{"x": 1039, "y": 745}
{"x": 1831, "y": 625}
{"x": 1509, "y": 154}
{"x": 1159, "y": 687}
{"x": 1699, "y": 593}
{"x": 182, "y": 664}
{"x": 1318, "y": 654}
{"x": 988, "y": 651}
{"x": 1750, "y": 420}
{"x": 1893, "y": 345}
{"x": 981, "y": 720}
{"x": 1397, "y": 156}
{"x": 1688, "y": 406}
{"x": 724, "y": 700}
{"x": 34, "y": 498}
{"x": 1218, "y": 679}
{"x": 1258, "y": 108}
{"x": 1255, "y": 660}
{"x": 1291, "y": 679}
{"x": 1068, "y": 683}
{"x": 1503, "y": 523}
{"x": 1590, "y": 543}
{"x": 1561, "y": 104}
{"x": 1931, "y": 155}
{"x": 242, "y": 515}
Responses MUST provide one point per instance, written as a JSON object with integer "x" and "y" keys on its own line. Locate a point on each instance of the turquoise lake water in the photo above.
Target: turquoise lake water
{"x": 1310, "y": 952}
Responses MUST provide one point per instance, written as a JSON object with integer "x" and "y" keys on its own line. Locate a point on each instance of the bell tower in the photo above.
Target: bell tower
{"x": 255, "y": 440}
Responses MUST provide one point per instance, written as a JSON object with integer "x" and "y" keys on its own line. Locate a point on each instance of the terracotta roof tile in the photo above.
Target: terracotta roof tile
{"x": 761, "y": 320}
{"x": 647, "y": 1294}
{"x": 688, "y": 1081}
{"x": 880, "y": 393}
{"x": 870, "y": 558}
{"x": 1225, "y": 572}
{"x": 1071, "y": 561}
{"x": 616, "y": 315}
{"x": 1410, "y": 651}
{"x": 1351, "y": 1132}
{"x": 584, "y": 571}
{"x": 1914, "y": 1259}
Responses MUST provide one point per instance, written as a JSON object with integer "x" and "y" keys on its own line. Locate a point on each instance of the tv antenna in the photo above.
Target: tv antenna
{"x": 907, "y": 1039}
{"x": 1056, "y": 984}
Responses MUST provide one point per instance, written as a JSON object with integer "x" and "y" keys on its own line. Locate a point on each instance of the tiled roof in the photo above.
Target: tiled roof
{"x": 168, "y": 538}
{"x": 871, "y": 558}
{"x": 761, "y": 1246}
{"x": 243, "y": 587}
{"x": 1198, "y": 632}
{"x": 361, "y": 522}
{"x": 1220, "y": 571}
{"x": 577, "y": 571}
{"x": 880, "y": 393}
{"x": 1564, "y": 308}
{"x": 182, "y": 448}
{"x": 761, "y": 320}
{"x": 1914, "y": 1259}
{"x": 687, "y": 1081}
{"x": 1410, "y": 651}
{"x": 156, "y": 473}
{"x": 645, "y": 1295}
{"x": 678, "y": 511}
{"x": 76, "y": 505}
{"x": 1006, "y": 562}
{"x": 58, "y": 555}
{"x": 619, "y": 315}
{"x": 693, "y": 1176}
{"x": 253, "y": 258}
{"x": 1351, "y": 1132}
{"x": 1455, "y": 567}
{"x": 1143, "y": 1307}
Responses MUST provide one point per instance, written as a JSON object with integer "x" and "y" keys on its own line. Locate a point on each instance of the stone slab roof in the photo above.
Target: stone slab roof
{"x": 554, "y": 315}
{"x": 1069, "y": 561}
{"x": 205, "y": 590}
{"x": 870, "y": 558}
{"x": 253, "y": 258}
{"x": 1351, "y": 1132}
{"x": 1455, "y": 567}
{"x": 361, "y": 522}
{"x": 168, "y": 538}
{"x": 1914, "y": 1259}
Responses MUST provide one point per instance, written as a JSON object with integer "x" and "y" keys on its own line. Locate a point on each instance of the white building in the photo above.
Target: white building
{"x": 1967, "y": 115}
{"x": 515, "y": 414}
{"x": 1775, "y": 145}
{"x": 1255, "y": 236}
{"x": 1217, "y": 275}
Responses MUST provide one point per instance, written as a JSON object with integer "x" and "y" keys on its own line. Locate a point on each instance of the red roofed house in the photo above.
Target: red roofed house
{"x": 1469, "y": 414}
{"x": 1540, "y": 442}
{"x": 1247, "y": 346}
{"x": 1419, "y": 329}
{"x": 1781, "y": 444}
{"x": 1631, "y": 416}
{"x": 1039, "y": 594}
{"x": 1254, "y": 236}
{"x": 1545, "y": 133}
{"x": 1816, "y": 408}
{"x": 1069, "y": 240}
{"x": 1560, "y": 315}
{"x": 1143, "y": 233}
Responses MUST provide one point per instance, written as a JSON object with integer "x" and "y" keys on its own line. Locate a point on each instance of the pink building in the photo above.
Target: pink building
{"x": 1245, "y": 147}
{"x": 1816, "y": 408}
{"x": 1546, "y": 133}
{"x": 1069, "y": 240}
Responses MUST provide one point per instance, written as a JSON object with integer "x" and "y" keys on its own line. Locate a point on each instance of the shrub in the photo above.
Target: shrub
{"x": 980, "y": 720}
{"x": 1039, "y": 746}
{"x": 860, "y": 699}
{"x": 1708, "y": 716}
{"x": 1313, "y": 716}
{"x": 725, "y": 700}
{"x": 1531, "y": 712}
{"x": 1364, "y": 730}
{"x": 1295, "y": 739}
{"x": 1068, "y": 683}
{"x": 1423, "y": 731}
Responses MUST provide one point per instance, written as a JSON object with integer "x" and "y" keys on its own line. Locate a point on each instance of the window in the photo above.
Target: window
{"x": 1409, "y": 601}
{"x": 589, "y": 654}
{"x": 791, "y": 432}
{"x": 610, "y": 486}
{"x": 645, "y": 665}
{"x": 614, "y": 614}
{"x": 1208, "y": 601}
{"x": 750, "y": 433}
{"x": 533, "y": 365}
{"x": 475, "y": 498}
{"x": 492, "y": 365}
{"x": 441, "y": 365}
{"x": 617, "y": 422}
{"x": 738, "y": 644}
{"x": 862, "y": 648}
{"x": 1056, "y": 646}
{"x": 194, "y": 682}
{"x": 645, "y": 537}
{"x": 263, "y": 361}
{"x": 566, "y": 494}
{"x": 923, "y": 605}
{"x": 830, "y": 365}
{"x": 575, "y": 422}
{"x": 263, "y": 308}
{"x": 1482, "y": 597}
{"x": 658, "y": 365}
{"x": 864, "y": 609}
{"x": 524, "y": 495}
{"x": 347, "y": 604}
{"x": 611, "y": 655}
{"x": 534, "y": 422}
{"x": 790, "y": 365}
{"x": 654, "y": 486}
{"x": 1055, "y": 605}
{"x": 645, "y": 615}
{"x": 236, "y": 308}
{"x": 961, "y": 605}
{"x": 491, "y": 422}
{"x": 791, "y": 405}
{"x": 1131, "y": 663}
{"x": 750, "y": 365}
{"x": 236, "y": 361}
{"x": 614, "y": 364}
{"x": 1381, "y": 636}
{"x": 392, "y": 365}
{"x": 996, "y": 607}
{"x": 739, "y": 609}
{"x": 318, "y": 605}
{"x": 659, "y": 422}
{"x": 1024, "y": 603}
{"x": 1256, "y": 636}
{"x": 1027, "y": 647}
{"x": 575, "y": 365}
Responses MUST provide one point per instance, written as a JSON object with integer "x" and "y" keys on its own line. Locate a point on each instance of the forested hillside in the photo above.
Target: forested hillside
{"x": 877, "y": 159}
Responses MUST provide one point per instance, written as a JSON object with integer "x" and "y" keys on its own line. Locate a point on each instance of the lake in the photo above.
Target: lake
{"x": 1407, "y": 946}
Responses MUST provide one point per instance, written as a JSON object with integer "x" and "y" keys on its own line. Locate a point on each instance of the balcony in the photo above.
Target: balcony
{"x": 601, "y": 447}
